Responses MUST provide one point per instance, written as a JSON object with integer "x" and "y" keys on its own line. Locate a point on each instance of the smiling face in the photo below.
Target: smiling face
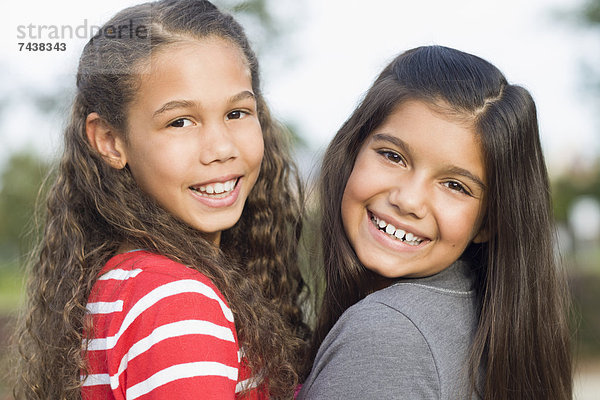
{"x": 414, "y": 199}
{"x": 194, "y": 141}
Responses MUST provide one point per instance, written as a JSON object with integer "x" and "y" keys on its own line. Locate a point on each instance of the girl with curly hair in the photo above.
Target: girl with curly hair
{"x": 167, "y": 267}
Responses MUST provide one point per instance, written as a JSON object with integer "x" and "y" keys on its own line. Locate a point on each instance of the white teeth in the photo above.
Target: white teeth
{"x": 217, "y": 188}
{"x": 407, "y": 237}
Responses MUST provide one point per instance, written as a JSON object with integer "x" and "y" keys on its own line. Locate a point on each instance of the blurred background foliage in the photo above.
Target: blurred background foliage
{"x": 22, "y": 174}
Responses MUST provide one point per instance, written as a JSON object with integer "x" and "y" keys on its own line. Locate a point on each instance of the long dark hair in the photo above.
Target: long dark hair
{"x": 522, "y": 341}
{"x": 93, "y": 208}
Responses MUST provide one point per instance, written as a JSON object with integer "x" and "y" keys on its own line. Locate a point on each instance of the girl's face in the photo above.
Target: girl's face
{"x": 414, "y": 199}
{"x": 194, "y": 141}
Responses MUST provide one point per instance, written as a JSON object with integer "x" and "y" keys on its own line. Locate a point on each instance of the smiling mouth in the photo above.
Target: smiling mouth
{"x": 216, "y": 190}
{"x": 396, "y": 233}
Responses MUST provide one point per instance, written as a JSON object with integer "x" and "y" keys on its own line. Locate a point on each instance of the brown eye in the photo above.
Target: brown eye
{"x": 180, "y": 123}
{"x": 392, "y": 156}
{"x": 236, "y": 114}
{"x": 457, "y": 187}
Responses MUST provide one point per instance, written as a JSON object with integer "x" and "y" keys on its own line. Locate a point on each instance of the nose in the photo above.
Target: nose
{"x": 217, "y": 144}
{"x": 409, "y": 196}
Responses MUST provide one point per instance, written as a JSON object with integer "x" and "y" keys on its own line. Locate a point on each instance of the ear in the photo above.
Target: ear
{"x": 105, "y": 140}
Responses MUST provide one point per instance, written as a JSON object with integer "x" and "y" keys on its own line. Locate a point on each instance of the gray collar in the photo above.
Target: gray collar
{"x": 458, "y": 277}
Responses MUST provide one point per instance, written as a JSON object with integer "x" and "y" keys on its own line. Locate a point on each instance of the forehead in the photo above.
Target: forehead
{"x": 430, "y": 119}
{"x": 197, "y": 70}
{"x": 429, "y": 134}
{"x": 210, "y": 50}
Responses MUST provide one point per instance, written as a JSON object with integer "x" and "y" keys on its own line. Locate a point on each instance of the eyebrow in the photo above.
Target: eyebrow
{"x": 174, "y": 104}
{"x": 382, "y": 137}
{"x": 246, "y": 94}
{"x": 467, "y": 174}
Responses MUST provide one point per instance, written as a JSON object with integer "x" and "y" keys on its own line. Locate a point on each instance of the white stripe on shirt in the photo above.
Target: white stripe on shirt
{"x": 95, "y": 379}
{"x": 241, "y": 354}
{"x": 175, "y": 329}
{"x": 161, "y": 292}
{"x": 247, "y": 384}
{"x": 103, "y": 307}
{"x": 181, "y": 371}
{"x": 120, "y": 274}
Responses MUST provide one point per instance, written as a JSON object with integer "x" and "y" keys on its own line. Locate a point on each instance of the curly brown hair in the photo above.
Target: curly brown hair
{"x": 92, "y": 208}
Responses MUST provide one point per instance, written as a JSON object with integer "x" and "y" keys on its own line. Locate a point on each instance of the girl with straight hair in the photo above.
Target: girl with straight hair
{"x": 438, "y": 242}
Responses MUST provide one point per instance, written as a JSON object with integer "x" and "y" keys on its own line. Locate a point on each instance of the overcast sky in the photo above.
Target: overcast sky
{"x": 333, "y": 52}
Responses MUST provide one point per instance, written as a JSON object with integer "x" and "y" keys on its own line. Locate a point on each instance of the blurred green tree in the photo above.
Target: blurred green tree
{"x": 591, "y": 12}
{"x": 585, "y": 284}
{"x": 567, "y": 188}
{"x": 256, "y": 15}
{"x": 20, "y": 184}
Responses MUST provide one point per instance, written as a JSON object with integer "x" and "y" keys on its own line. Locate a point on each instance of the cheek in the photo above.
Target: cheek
{"x": 254, "y": 152}
{"x": 349, "y": 217}
{"x": 352, "y": 202}
{"x": 346, "y": 208}
{"x": 461, "y": 224}
{"x": 158, "y": 164}
{"x": 259, "y": 151}
{"x": 358, "y": 184}
{"x": 349, "y": 195}
{"x": 251, "y": 145}
{"x": 171, "y": 158}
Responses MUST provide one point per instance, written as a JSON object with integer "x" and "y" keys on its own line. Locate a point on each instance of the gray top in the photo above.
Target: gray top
{"x": 410, "y": 341}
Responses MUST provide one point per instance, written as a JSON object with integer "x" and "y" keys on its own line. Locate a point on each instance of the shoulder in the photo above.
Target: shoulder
{"x": 154, "y": 266}
{"x": 142, "y": 284}
{"x": 138, "y": 273}
{"x": 373, "y": 351}
{"x": 376, "y": 319}
{"x": 410, "y": 338}
{"x": 413, "y": 297}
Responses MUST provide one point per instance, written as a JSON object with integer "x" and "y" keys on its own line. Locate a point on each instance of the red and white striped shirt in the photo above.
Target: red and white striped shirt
{"x": 161, "y": 330}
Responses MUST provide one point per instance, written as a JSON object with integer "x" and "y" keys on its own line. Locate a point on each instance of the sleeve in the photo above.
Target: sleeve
{"x": 176, "y": 341}
{"x": 373, "y": 352}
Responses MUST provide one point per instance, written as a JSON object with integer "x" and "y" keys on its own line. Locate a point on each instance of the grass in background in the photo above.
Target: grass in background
{"x": 12, "y": 295}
